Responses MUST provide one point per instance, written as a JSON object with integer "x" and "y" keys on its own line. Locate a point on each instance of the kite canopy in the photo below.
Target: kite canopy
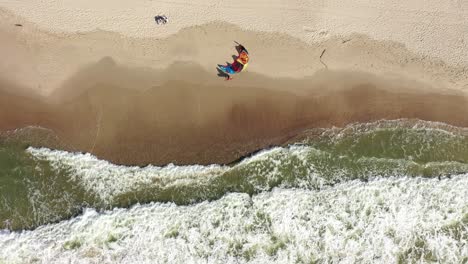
{"x": 240, "y": 63}
{"x": 243, "y": 57}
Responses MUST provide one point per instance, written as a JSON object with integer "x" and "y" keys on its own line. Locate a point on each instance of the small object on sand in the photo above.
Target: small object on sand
{"x": 321, "y": 55}
{"x": 18, "y": 25}
{"x": 161, "y": 19}
{"x": 240, "y": 63}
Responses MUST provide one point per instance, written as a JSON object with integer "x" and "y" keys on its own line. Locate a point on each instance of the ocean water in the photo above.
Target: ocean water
{"x": 383, "y": 192}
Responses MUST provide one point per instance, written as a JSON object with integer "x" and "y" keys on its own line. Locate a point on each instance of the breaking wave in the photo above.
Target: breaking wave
{"x": 390, "y": 191}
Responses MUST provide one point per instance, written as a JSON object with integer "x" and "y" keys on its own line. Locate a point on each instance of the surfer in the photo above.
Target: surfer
{"x": 240, "y": 62}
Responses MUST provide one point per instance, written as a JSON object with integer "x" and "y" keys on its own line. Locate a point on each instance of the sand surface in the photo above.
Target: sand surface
{"x": 106, "y": 79}
{"x": 187, "y": 122}
{"x": 432, "y": 27}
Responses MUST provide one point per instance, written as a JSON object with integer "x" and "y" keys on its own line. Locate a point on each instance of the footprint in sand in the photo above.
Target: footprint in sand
{"x": 320, "y": 32}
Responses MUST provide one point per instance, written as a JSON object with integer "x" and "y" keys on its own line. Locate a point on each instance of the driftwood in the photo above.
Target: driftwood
{"x": 321, "y": 55}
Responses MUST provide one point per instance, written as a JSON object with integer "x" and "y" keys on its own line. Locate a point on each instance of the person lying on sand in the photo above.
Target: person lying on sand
{"x": 240, "y": 63}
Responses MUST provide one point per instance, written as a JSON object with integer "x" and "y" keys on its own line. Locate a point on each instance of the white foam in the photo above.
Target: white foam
{"x": 352, "y": 222}
{"x": 266, "y": 166}
{"x": 443, "y": 130}
{"x": 108, "y": 180}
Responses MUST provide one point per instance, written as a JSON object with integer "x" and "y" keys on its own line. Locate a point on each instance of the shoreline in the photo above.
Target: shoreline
{"x": 190, "y": 122}
{"x": 158, "y": 100}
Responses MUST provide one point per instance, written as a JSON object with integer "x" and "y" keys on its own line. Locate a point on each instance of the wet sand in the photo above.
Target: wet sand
{"x": 188, "y": 122}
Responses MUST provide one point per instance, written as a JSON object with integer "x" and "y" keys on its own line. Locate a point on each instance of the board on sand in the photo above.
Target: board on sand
{"x": 226, "y": 69}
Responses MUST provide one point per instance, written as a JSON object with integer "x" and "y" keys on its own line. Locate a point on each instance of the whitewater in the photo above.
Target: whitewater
{"x": 385, "y": 192}
{"x": 382, "y": 221}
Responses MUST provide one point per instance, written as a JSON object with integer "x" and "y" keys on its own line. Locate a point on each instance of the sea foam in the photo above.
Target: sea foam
{"x": 381, "y": 221}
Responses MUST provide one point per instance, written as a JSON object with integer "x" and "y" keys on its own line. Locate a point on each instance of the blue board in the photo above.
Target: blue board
{"x": 226, "y": 69}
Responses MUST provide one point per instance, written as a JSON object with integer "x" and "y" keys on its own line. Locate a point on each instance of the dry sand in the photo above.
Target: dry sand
{"x": 106, "y": 79}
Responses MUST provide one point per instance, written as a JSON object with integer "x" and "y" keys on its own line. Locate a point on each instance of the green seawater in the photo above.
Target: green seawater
{"x": 33, "y": 193}
{"x": 39, "y": 186}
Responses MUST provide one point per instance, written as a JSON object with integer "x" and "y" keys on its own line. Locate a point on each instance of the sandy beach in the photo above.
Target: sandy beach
{"x": 106, "y": 79}
{"x": 344, "y": 141}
